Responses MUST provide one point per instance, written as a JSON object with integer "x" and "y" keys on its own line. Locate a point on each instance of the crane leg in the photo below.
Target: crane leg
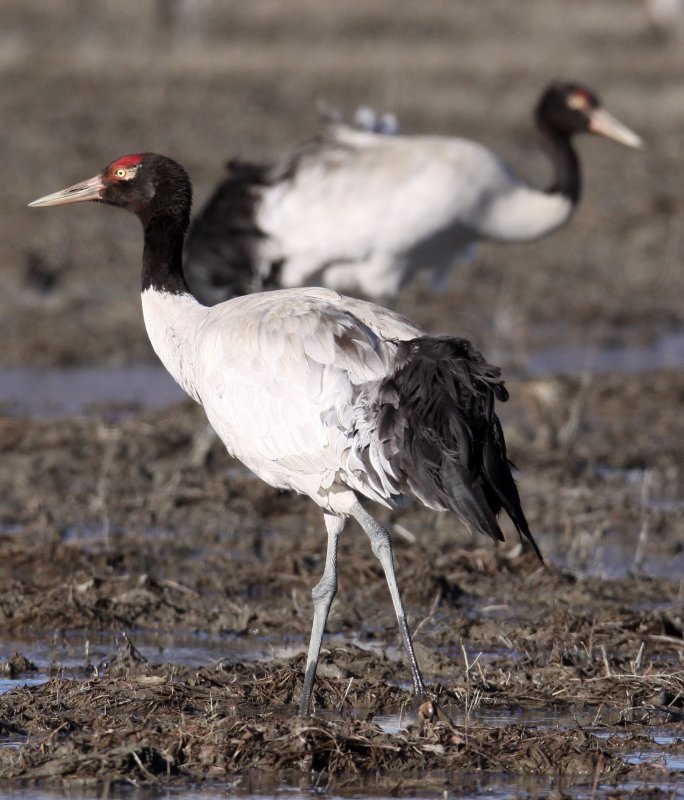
{"x": 202, "y": 442}
{"x": 322, "y": 595}
{"x": 382, "y": 548}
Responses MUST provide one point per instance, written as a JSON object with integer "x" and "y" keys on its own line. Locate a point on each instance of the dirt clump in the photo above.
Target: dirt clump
{"x": 158, "y": 725}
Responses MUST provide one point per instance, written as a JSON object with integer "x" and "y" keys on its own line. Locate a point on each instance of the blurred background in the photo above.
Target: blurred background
{"x": 202, "y": 81}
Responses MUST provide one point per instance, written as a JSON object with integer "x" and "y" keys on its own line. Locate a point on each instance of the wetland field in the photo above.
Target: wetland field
{"x": 155, "y": 608}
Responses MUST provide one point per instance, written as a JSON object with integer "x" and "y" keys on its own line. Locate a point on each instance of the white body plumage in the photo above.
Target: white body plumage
{"x": 286, "y": 379}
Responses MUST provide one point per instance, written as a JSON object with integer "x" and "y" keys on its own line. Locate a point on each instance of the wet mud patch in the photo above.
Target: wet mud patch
{"x": 158, "y": 724}
{"x": 159, "y": 611}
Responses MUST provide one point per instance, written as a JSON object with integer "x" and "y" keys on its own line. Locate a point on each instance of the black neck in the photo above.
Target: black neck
{"x": 568, "y": 177}
{"x": 163, "y": 255}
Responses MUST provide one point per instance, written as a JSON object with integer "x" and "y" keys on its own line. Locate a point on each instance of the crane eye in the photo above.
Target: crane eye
{"x": 578, "y": 101}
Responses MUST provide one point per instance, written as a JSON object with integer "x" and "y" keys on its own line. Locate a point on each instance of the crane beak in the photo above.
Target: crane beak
{"x": 605, "y": 124}
{"x": 86, "y": 190}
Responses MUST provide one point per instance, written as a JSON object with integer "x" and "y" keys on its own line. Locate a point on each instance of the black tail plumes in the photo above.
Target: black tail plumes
{"x": 455, "y": 454}
{"x": 219, "y": 260}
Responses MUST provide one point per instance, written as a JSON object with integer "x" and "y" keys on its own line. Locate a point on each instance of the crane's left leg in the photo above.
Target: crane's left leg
{"x": 322, "y": 595}
{"x": 382, "y": 548}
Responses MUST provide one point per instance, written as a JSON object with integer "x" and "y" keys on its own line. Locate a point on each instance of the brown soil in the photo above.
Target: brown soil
{"x": 126, "y": 535}
{"x": 106, "y": 525}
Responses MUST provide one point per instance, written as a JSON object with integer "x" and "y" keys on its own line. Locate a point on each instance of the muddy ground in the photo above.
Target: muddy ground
{"x": 125, "y": 535}
{"x": 115, "y": 546}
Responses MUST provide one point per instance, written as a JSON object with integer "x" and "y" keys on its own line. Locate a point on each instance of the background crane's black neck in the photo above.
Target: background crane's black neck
{"x": 568, "y": 176}
{"x": 162, "y": 268}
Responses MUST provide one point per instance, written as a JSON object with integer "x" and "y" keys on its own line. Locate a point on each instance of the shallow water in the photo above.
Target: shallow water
{"x": 117, "y": 391}
{"x": 73, "y": 654}
{"x": 7, "y": 684}
{"x": 664, "y": 352}
{"x": 613, "y": 554}
{"x": 71, "y": 651}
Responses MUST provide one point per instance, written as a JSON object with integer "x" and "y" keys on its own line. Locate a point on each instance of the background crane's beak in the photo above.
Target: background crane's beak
{"x": 86, "y": 190}
{"x": 605, "y": 124}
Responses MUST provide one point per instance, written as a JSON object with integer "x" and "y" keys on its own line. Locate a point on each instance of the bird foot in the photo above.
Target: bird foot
{"x": 430, "y": 711}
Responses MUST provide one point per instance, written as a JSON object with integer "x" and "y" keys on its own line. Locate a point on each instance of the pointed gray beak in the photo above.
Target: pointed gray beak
{"x": 86, "y": 190}
{"x": 605, "y": 124}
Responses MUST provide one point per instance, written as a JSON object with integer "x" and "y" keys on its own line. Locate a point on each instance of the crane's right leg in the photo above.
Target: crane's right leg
{"x": 381, "y": 544}
{"x": 322, "y": 595}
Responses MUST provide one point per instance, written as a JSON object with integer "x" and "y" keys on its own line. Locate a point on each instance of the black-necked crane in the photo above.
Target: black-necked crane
{"x": 363, "y": 212}
{"x": 329, "y": 396}
{"x": 663, "y": 16}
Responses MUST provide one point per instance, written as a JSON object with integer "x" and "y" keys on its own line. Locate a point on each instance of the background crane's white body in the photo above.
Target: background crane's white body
{"x": 366, "y": 211}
